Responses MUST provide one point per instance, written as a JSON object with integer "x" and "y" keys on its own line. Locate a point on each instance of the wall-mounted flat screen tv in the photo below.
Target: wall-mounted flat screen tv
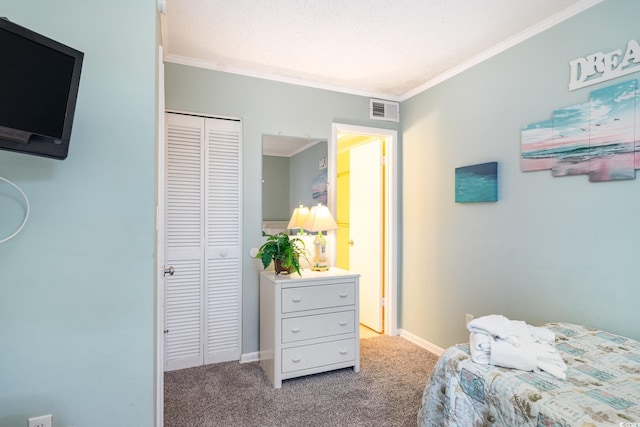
{"x": 39, "y": 80}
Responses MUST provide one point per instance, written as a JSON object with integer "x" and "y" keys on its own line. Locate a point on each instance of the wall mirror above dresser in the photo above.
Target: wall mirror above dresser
{"x": 294, "y": 172}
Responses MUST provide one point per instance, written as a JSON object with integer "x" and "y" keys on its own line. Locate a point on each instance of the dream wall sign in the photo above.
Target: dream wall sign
{"x": 596, "y": 138}
{"x": 600, "y": 67}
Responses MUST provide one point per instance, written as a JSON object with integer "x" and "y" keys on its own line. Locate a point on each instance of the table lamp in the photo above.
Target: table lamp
{"x": 298, "y": 219}
{"x": 319, "y": 220}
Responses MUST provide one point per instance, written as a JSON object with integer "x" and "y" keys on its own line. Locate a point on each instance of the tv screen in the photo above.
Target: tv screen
{"x": 39, "y": 80}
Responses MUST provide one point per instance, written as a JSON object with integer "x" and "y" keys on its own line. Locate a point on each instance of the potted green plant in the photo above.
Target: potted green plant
{"x": 285, "y": 252}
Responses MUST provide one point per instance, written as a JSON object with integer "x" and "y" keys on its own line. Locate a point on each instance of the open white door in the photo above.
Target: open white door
{"x": 365, "y": 220}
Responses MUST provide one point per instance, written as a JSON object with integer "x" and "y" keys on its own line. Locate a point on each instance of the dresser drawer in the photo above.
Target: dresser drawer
{"x": 312, "y": 356}
{"x": 320, "y": 296}
{"x": 322, "y": 325}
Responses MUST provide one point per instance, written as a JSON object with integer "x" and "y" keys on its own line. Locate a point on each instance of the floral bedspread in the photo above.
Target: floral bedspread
{"x": 602, "y": 387}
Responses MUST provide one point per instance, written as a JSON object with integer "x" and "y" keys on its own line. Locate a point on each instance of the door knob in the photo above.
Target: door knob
{"x": 169, "y": 271}
{"x": 350, "y": 242}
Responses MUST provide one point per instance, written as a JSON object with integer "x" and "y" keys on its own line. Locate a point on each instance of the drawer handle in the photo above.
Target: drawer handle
{"x": 296, "y": 359}
{"x": 343, "y": 294}
{"x": 295, "y": 330}
{"x": 342, "y": 323}
{"x": 296, "y": 299}
{"x": 343, "y": 351}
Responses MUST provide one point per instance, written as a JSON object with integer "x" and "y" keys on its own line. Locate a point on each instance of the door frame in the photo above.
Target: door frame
{"x": 390, "y": 320}
{"x": 160, "y": 255}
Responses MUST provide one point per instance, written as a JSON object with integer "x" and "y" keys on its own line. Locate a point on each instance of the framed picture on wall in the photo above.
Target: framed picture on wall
{"x": 477, "y": 183}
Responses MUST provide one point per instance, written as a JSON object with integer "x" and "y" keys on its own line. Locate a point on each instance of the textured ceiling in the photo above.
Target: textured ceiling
{"x": 386, "y": 48}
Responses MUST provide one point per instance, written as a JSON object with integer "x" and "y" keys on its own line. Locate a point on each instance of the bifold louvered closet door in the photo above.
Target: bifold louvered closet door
{"x": 203, "y": 237}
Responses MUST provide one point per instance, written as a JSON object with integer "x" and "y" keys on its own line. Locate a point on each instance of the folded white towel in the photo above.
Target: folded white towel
{"x": 496, "y": 326}
{"x": 542, "y": 335}
{"x": 546, "y": 350}
{"x": 523, "y": 357}
{"x": 508, "y": 356}
{"x": 480, "y": 342}
{"x": 480, "y": 346}
{"x": 552, "y": 369}
{"x": 514, "y": 345}
{"x": 550, "y": 361}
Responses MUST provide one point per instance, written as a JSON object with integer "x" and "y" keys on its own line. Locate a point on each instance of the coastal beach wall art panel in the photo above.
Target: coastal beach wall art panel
{"x": 571, "y": 140}
{"x": 536, "y": 143}
{"x": 598, "y": 138}
{"x": 611, "y": 141}
{"x": 477, "y": 183}
{"x": 319, "y": 187}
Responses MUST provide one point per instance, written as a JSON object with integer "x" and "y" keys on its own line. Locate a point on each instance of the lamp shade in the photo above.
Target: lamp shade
{"x": 298, "y": 217}
{"x": 320, "y": 219}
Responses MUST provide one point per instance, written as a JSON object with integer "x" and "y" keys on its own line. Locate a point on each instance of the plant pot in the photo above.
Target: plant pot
{"x": 277, "y": 264}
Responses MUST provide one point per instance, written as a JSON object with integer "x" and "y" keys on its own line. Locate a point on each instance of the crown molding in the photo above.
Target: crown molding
{"x": 184, "y": 60}
{"x": 502, "y": 46}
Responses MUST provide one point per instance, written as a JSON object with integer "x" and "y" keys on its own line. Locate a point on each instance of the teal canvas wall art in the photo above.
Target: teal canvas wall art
{"x": 477, "y": 183}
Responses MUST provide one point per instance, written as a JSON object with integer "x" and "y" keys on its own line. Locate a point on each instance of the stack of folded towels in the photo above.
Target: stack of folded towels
{"x": 496, "y": 340}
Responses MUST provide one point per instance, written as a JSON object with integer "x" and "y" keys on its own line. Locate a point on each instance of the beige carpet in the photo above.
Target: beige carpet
{"x": 386, "y": 392}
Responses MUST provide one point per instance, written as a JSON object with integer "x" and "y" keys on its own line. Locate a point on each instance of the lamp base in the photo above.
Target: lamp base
{"x": 319, "y": 268}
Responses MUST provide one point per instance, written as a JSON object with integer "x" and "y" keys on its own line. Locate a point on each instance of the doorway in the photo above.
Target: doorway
{"x": 359, "y": 214}
{"x": 375, "y": 152}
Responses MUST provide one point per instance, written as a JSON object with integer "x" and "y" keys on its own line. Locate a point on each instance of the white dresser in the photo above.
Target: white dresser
{"x": 308, "y": 323}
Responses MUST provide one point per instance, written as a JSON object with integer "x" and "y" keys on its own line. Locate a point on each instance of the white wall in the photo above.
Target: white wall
{"x": 551, "y": 249}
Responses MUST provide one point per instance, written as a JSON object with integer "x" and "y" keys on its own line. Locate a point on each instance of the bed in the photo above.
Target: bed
{"x": 602, "y": 387}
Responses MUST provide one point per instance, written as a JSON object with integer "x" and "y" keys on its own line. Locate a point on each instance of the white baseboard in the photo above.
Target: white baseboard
{"x": 422, "y": 343}
{"x": 250, "y": 357}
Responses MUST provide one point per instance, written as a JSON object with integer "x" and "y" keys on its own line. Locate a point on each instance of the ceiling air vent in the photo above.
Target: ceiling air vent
{"x": 384, "y": 110}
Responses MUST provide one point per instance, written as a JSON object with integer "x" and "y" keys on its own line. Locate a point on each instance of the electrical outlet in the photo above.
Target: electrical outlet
{"x": 468, "y": 318}
{"x": 41, "y": 421}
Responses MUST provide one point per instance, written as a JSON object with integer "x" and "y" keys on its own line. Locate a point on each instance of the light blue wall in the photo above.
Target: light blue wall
{"x": 77, "y": 285}
{"x": 266, "y": 107}
{"x": 550, "y": 248}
